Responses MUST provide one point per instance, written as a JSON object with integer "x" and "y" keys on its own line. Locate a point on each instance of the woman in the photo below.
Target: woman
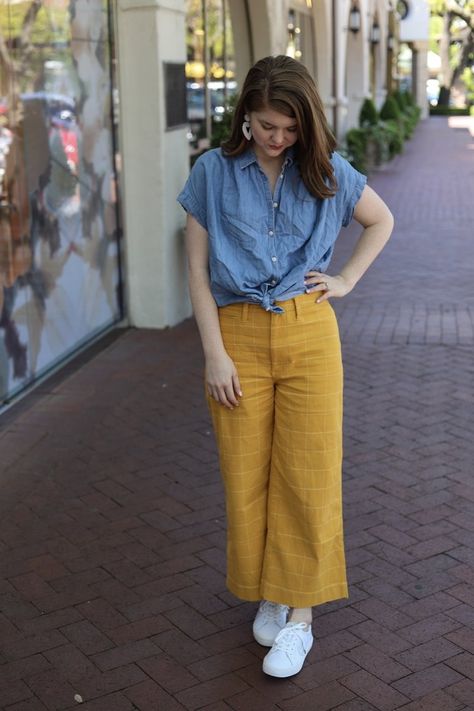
{"x": 264, "y": 213}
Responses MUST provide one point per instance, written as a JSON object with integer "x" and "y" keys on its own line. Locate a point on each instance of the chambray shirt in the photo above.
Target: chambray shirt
{"x": 262, "y": 245}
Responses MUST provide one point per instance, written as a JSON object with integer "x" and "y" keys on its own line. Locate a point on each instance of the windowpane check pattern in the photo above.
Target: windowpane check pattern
{"x": 281, "y": 454}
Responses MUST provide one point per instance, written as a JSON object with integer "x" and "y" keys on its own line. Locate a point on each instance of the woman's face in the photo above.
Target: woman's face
{"x": 272, "y": 132}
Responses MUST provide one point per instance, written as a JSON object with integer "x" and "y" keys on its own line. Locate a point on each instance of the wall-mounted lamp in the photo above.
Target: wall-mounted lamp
{"x": 291, "y": 20}
{"x": 375, "y": 32}
{"x": 354, "y": 19}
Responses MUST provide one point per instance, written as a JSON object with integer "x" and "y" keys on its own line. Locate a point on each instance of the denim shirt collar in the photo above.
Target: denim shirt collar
{"x": 248, "y": 157}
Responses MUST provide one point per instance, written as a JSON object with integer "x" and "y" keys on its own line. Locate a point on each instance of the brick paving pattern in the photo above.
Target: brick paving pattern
{"x": 112, "y": 593}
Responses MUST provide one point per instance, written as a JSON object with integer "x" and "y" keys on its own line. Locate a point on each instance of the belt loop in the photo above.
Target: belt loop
{"x": 245, "y": 311}
{"x": 297, "y": 305}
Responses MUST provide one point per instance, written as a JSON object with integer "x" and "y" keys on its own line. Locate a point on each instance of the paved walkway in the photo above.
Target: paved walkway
{"x": 112, "y": 520}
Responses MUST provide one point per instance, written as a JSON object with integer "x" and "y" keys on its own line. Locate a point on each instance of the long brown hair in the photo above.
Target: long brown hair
{"x": 285, "y": 85}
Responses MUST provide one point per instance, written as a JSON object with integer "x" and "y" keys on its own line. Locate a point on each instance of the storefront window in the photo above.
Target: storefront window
{"x": 210, "y": 68}
{"x": 300, "y": 42}
{"x": 59, "y": 252}
{"x": 293, "y": 48}
{"x": 405, "y": 67}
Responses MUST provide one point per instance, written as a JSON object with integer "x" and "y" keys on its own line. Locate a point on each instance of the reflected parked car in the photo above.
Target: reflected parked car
{"x": 195, "y": 98}
{"x": 196, "y": 107}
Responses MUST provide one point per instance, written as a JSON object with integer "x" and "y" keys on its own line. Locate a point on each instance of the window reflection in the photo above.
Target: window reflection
{"x": 210, "y": 65}
{"x": 300, "y": 35}
{"x": 293, "y": 48}
{"x": 59, "y": 280}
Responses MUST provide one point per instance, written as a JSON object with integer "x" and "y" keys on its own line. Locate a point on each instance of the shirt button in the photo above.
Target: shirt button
{"x": 275, "y": 204}
{"x": 274, "y": 259}
{"x": 270, "y": 232}
{"x": 273, "y": 282}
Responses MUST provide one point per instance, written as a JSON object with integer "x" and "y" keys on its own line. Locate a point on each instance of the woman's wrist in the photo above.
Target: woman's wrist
{"x": 214, "y": 351}
{"x": 349, "y": 281}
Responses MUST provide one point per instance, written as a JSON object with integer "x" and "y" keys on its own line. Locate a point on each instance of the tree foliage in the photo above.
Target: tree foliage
{"x": 456, "y": 42}
{"x": 30, "y": 33}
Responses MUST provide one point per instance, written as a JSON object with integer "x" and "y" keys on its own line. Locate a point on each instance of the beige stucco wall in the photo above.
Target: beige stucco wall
{"x": 155, "y": 162}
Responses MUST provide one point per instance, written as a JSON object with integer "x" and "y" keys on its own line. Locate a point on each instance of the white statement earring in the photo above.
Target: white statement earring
{"x": 246, "y": 130}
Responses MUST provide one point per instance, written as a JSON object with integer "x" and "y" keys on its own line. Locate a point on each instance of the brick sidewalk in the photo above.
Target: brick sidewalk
{"x": 112, "y": 531}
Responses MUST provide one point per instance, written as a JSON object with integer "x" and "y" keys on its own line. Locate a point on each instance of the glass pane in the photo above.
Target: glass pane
{"x": 217, "y": 68}
{"x": 89, "y": 20}
{"x": 405, "y": 64}
{"x": 58, "y": 245}
{"x": 300, "y": 37}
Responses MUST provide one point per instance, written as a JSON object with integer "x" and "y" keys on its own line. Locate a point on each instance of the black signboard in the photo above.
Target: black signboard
{"x": 175, "y": 95}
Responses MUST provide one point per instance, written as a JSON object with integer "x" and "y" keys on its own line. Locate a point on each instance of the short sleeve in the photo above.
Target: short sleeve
{"x": 193, "y": 197}
{"x": 351, "y": 184}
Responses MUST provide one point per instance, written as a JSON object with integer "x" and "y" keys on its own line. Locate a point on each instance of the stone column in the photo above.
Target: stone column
{"x": 420, "y": 47}
{"x": 155, "y": 162}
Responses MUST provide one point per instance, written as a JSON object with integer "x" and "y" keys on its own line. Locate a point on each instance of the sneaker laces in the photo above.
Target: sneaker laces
{"x": 288, "y": 638}
{"x": 272, "y": 610}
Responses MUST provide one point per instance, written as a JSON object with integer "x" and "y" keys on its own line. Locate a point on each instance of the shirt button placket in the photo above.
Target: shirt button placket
{"x": 271, "y": 232}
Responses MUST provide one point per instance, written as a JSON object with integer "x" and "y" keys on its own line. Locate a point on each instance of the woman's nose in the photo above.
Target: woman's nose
{"x": 278, "y": 135}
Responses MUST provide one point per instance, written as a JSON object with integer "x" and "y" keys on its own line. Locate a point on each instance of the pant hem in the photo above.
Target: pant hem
{"x": 338, "y": 592}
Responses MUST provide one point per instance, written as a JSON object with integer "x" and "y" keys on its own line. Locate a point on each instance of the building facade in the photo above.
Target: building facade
{"x": 102, "y": 105}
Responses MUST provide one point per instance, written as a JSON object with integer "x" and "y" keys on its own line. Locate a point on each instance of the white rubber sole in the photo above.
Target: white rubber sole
{"x": 284, "y": 672}
{"x": 264, "y": 641}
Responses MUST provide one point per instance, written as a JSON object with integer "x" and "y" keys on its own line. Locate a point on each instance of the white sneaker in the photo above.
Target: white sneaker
{"x": 269, "y": 621}
{"x": 289, "y": 650}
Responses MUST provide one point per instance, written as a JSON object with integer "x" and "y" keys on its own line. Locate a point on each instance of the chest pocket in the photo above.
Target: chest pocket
{"x": 238, "y": 233}
{"x": 243, "y": 200}
{"x": 297, "y": 211}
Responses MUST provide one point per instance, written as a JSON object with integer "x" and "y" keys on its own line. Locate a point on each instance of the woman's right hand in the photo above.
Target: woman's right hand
{"x": 222, "y": 380}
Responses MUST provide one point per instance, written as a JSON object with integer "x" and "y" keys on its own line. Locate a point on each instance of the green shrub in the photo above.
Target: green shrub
{"x": 401, "y": 98}
{"x": 449, "y": 111}
{"x": 221, "y": 129}
{"x": 376, "y": 142}
{"x": 356, "y": 142}
{"x": 408, "y": 125}
{"x": 390, "y": 110}
{"x": 368, "y": 115}
{"x": 394, "y": 137}
{"x": 411, "y": 116}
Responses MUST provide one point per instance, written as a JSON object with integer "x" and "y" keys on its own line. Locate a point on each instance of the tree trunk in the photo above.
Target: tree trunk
{"x": 444, "y": 95}
{"x": 446, "y": 71}
{"x": 466, "y": 52}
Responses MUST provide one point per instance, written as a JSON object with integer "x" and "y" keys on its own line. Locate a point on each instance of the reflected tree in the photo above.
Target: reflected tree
{"x": 456, "y": 42}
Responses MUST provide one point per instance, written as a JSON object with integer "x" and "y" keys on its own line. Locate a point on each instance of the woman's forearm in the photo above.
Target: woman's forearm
{"x": 369, "y": 245}
{"x": 205, "y": 313}
{"x": 222, "y": 380}
{"x": 204, "y": 305}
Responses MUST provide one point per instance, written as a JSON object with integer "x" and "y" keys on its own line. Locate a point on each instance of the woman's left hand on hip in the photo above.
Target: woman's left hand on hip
{"x": 328, "y": 286}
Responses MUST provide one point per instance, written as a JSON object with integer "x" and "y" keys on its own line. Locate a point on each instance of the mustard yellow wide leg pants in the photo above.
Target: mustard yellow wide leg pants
{"x": 281, "y": 454}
